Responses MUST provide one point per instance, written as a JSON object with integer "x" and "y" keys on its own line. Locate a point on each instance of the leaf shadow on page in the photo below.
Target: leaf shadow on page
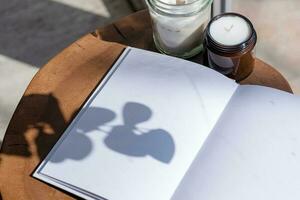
{"x": 82, "y": 146}
{"x": 130, "y": 140}
{"x": 125, "y": 139}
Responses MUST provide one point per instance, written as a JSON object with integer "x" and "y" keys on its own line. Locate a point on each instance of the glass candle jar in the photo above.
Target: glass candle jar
{"x": 230, "y": 40}
{"x": 179, "y": 25}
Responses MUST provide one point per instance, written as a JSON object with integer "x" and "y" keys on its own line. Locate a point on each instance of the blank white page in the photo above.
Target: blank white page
{"x": 252, "y": 153}
{"x": 141, "y": 129}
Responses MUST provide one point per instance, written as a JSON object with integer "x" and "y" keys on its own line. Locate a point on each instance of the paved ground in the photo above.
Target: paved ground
{"x": 277, "y": 24}
{"x": 32, "y": 31}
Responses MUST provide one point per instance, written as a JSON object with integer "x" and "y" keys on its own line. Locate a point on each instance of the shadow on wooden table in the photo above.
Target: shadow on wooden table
{"x": 35, "y": 127}
{"x": 42, "y": 123}
{"x": 42, "y": 120}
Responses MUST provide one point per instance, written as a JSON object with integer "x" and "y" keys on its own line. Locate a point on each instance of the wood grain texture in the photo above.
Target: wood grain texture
{"x": 60, "y": 88}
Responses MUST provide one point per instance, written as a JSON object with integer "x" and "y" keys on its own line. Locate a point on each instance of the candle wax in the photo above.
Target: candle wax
{"x": 230, "y": 30}
{"x": 180, "y": 34}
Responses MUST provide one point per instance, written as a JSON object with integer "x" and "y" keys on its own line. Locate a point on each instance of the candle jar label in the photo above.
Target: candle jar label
{"x": 225, "y": 65}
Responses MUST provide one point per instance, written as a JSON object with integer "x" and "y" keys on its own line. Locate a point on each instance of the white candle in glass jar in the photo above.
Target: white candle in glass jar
{"x": 230, "y": 41}
{"x": 179, "y": 34}
{"x": 230, "y": 30}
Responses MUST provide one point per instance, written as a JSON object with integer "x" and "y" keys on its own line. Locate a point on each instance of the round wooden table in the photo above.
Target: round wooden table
{"x": 59, "y": 89}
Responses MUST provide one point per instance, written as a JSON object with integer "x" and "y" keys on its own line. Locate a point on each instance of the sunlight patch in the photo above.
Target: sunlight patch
{"x": 93, "y": 6}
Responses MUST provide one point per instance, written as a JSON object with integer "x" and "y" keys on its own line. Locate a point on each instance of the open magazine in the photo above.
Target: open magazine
{"x": 159, "y": 127}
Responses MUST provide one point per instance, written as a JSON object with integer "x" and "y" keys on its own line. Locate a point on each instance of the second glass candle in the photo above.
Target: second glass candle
{"x": 178, "y": 25}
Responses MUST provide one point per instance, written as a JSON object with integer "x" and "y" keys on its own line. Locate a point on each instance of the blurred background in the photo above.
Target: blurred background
{"x": 33, "y": 31}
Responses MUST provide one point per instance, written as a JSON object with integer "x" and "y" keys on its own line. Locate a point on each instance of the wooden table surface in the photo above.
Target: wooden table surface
{"x": 59, "y": 89}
